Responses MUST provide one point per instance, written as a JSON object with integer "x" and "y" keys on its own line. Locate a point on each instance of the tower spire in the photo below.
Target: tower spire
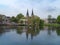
{"x": 27, "y": 14}
{"x": 32, "y": 13}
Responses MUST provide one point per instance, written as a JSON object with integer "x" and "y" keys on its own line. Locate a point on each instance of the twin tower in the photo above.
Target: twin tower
{"x": 32, "y": 14}
{"x": 29, "y": 22}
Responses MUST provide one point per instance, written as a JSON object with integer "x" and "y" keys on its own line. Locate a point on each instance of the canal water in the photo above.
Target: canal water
{"x": 27, "y": 36}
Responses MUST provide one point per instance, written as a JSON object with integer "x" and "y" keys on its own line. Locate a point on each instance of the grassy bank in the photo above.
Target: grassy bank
{"x": 54, "y": 25}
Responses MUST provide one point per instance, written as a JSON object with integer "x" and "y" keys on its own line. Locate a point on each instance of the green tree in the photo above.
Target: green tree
{"x": 19, "y": 16}
{"x": 35, "y": 21}
{"x": 41, "y": 23}
{"x": 1, "y": 19}
{"x": 13, "y": 19}
{"x": 58, "y": 19}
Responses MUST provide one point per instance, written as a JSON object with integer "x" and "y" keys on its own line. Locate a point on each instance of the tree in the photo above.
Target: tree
{"x": 1, "y": 19}
{"x": 34, "y": 21}
{"x": 37, "y": 19}
{"x": 41, "y": 24}
{"x": 13, "y": 19}
{"x": 19, "y": 16}
{"x": 58, "y": 19}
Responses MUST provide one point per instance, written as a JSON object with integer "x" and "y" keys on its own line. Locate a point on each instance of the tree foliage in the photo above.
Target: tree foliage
{"x": 58, "y": 19}
{"x": 19, "y": 16}
{"x": 41, "y": 23}
{"x": 34, "y": 21}
{"x": 13, "y": 19}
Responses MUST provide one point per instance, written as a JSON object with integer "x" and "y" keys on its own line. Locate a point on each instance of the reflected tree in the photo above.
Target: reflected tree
{"x": 58, "y": 31}
{"x": 49, "y": 30}
{"x": 19, "y": 30}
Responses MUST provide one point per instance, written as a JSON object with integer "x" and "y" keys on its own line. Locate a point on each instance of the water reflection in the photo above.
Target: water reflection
{"x": 32, "y": 32}
{"x": 50, "y": 29}
{"x": 23, "y": 35}
{"x": 1, "y": 31}
{"x": 19, "y": 29}
{"x": 58, "y": 31}
{"x": 4, "y": 29}
{"x": 29, "y": 32}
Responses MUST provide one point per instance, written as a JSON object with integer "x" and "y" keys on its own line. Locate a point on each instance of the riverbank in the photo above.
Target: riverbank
{"x": 54, "y": 25}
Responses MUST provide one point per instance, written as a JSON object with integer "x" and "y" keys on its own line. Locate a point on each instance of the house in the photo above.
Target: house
{"x": 4, "y": 19}
{"x": 45, "y": 21}
{"x": 52, "y": 20}
{"x": 23, "y": 21}
{"x": 1, "y": 18}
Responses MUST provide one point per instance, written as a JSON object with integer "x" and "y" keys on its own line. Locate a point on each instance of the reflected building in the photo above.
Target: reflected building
{"x": 1, "y": 31}
{"x": 31, "y": 32}
{"x": 4, "y": 29}
{"x": 50, "y": 29}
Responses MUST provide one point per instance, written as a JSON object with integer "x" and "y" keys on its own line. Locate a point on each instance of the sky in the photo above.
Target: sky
{"x": 41, "y": 8}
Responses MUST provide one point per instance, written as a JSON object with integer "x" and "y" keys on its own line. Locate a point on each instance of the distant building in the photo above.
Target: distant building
{"x": 45, "y": 21}
{"x": 27, "y": 20}
{"x": 4, "y": 19}
{"x": 1, "y": 18}
{"x": 22, "y": 21}
{"x": 52, "y": 20}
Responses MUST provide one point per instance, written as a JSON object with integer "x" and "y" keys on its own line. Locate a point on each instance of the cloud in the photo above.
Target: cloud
{"x": 41, "y": 8}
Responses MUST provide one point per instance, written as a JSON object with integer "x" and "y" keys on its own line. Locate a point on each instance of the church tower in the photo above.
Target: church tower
{"x": 27, "y": 17}
{"x": 32, "y": 14}
{"x": 27, "y": 14}
{"x": 33, "y": 20}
